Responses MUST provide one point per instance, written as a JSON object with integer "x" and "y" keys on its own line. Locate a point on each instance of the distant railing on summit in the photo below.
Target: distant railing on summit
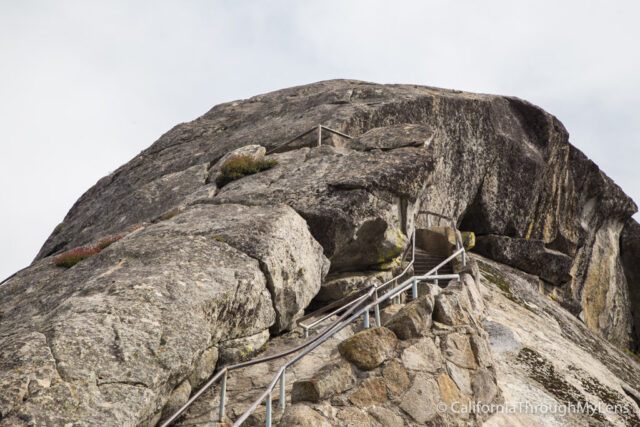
{"x": 319, "y": 128}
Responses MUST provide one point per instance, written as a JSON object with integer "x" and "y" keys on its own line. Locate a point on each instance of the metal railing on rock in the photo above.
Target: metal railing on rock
{"x": 344, "y": 319}
{"x": 337, "y": 326}
{"x": 349, "y": 300}
{"x": 319, "y": 128}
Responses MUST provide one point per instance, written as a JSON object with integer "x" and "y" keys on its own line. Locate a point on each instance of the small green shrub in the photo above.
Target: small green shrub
{"x": 58, "y": 228}
{"x": 240, "y": 166}
{"x": 71, "y": 258}
{"x": 219, "y": 238}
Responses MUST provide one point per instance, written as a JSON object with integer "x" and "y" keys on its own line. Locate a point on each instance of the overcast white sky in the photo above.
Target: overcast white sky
{"x": 86, "y": 85}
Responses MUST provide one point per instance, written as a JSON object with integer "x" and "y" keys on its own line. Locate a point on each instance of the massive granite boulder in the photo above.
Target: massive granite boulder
{"x": 352, "y": 201}
{"x": 204, "y": 271}
{"x": 278, "y": 238}
{"x": 500, "y": 165}
{"x": 106, "y": 341}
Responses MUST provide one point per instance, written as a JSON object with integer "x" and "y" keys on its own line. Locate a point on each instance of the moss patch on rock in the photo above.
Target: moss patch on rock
{"x": 497, "y": 278}
{"x": 241, "y": 166}
{"x": 635, "y": 356}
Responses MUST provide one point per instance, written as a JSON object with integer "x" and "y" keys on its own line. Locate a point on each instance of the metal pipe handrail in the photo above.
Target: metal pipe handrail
{"x": 328, "y": 129}
{"x": 319, "y": 128}
{"x": 310, "y": 348}
{"x": 401, "y": 288}
{"x": 226, "y": 369}
{"x": 434, "y": 214}
{"x": 330, "y": 314}
{"x": 338, "y": 303}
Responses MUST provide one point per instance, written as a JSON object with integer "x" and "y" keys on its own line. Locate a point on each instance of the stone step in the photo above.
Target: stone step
{"x": 425, "y": 262}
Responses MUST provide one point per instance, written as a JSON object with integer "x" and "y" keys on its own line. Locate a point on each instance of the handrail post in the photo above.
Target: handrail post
{"x": 282, "y": 385}
{"x": 459, "y": 244}
{"x": 413, "y": 246}
{"x": 396, "y": 297}
{"x": 223, "y": 395}
{"x": 268, "y": 420}
{"x": 319, "y": 135}
{"x": 377, "y": 310}
{"x": 436, "y": 280}
{"x": 414, "y": 289}
{"x": 366, "y": 319}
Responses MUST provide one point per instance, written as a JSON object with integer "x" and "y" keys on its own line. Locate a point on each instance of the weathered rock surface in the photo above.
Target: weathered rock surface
{"x": 143, "y": 314}
{"x": 278, "y": 238}
{"x": 303, "y": 416}
{"x": 422, "y": 356}
{"x": 335, "y": 190}
{"x": 246, "y": 384}
{"x": 177, "y": 398}
{"x": 413, "y": 320}
{"x": 422, "y": 399}
{"x": 369, "y": 348}
{"x": 241, "y": 349}
{"x": 452, "y": 308}
{"x": 203, "y": 368}
{"x": 547, "y": 358}
{"x": 422, "y": 379}
{"x": 392, "y": 137}
{"x": 108, "y": 341}
{"x": 332, "y": 379}
{"x": 498, "y": 164}
{"x": 535, "y": 353}
{"x": 340, "y": 285}
{"x": 529, "y": 255}
{"x": 372, "y": 391}
{"x": 396, "y": 378}
{"x": 127, "y": 325}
